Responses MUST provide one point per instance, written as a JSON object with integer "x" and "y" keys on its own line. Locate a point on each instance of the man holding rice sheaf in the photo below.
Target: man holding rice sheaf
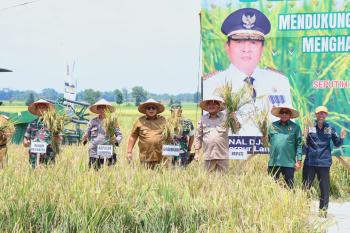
{"x": 212, "y": 135}
{"x": 104, "y": 134}
{"x": 38, "y": 135}
{"x": 285, "y": 145}
{"x": 148, "y": 130}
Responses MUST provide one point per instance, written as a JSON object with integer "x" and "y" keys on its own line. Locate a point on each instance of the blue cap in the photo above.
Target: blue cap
{"x": 246, "y": 23}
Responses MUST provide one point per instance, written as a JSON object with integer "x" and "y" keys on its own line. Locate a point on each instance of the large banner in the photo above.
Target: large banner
{"x": 302, "y": 62}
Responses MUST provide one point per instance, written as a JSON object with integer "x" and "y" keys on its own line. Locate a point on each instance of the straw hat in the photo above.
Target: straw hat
{"x": 102, "y": 102}
{"x": 321, "y": 109}
{"x": 33, "y": 107}
{"x": 3, "y": 119}
{"x": 204, "y": 103}
{"x": 276, "y": 111}
{"x": 142, "y": 107}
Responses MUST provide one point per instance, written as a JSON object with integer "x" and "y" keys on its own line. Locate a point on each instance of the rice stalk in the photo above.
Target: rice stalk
{"x": 233, "y": 102}
{"x": 262, "y": 121}
{"x": 306, "y": 123}
{"x": 110, "y": 122}
{"x": 7, "y": 129}
{"x": 173, "y": 127}
{"x": 54, "y": 122}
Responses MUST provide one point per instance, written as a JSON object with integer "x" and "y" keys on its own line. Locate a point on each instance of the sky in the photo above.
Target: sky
{"x": 115, "y": 44}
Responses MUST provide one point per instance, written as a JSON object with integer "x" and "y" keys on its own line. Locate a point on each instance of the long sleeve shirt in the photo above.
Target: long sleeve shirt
{"x": 286, "y": 144}
{"x": 37, "y": 131}
{"x": 212, "y": 137}
{"x": 97, "y": 135}
{"x": 318, "y": 145}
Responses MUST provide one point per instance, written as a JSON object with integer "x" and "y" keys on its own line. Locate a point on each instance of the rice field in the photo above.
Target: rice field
{"x": 68, "y": 197}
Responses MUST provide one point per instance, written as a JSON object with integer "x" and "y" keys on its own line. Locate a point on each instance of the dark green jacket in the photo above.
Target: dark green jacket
{"x": 286, "y": 144}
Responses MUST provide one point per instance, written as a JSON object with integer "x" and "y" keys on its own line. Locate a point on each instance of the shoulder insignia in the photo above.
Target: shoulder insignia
{"x": 209, "y": 75}
{"x": 274, "y": 70}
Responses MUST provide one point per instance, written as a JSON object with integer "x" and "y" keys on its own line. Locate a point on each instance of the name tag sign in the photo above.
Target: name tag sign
{"x": 312, "y": 129}
{"x": 236, "y": 154}
{"x": 38, "y": 147}
{"x": 171, "y": 150}
{"x": 105, "y": 150}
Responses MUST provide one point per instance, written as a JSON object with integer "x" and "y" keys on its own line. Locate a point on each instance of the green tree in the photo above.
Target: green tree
{"x": 171, "y": 102}
{"x": 196, "y": 97}
{"x": 30, "y": 99}
{"x": 91, "y": 96}
{"x": 125, "y": 94}
{"x": 139, "y": 94}
{"x": 49, "y": 93}
{"x": 118, "y": 96}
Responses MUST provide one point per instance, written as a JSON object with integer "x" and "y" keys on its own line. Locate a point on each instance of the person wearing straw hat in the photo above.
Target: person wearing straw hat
{"x": 245, "y": 30}
{"x": 318, "y": 158}
{"x": 38, "y": 137}
{"x": 148, "y": 130}
{"x": 285, "y": 145}
{"x": 185, "y": 139}
{"x": 101, "y": 147}
{"x": 211, "y": 136}
{"x": 7, "y": 130}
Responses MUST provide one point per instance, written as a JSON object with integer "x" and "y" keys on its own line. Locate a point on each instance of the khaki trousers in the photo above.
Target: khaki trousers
{"x": 220, "y": 165}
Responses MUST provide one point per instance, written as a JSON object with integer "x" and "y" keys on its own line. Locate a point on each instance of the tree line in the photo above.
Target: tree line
{"x": 136, "y": 95}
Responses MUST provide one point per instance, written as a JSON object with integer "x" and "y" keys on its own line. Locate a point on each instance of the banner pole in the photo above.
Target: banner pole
{"x": 200, "y": 56}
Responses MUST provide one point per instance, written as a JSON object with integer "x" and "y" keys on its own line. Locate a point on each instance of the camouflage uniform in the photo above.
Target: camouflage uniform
{"x": 182, "y": 141}
{"x": 38, "y": 132}
{"x": 97, "y": 136}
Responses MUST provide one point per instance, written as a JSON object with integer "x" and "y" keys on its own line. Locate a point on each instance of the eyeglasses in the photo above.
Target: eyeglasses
{"x": 151, "y": 108}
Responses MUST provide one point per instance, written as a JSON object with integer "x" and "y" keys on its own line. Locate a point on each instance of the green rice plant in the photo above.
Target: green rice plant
{"x": 233, "y": 102}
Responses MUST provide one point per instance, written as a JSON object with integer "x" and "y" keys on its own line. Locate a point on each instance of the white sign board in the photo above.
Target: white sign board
{"x": 105, "y": 151}
{"x": 171, "y": 150}
{"x": 236, "y": 154}
{"x": 38, "y": 147}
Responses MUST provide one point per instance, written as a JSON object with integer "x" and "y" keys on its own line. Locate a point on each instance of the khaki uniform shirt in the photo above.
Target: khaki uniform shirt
{"x": 213, "y": 136}
{"x": 149, "y": 133}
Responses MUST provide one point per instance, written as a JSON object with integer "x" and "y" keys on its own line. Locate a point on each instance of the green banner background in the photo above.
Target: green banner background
{"x": 284, "y": 51}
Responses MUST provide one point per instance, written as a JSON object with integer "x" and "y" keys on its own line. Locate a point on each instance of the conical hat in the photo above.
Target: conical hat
{"x": 102, "y": 102}
{"x": 276, "y": 111}
{"x": 204, "y": 103}
{"x": 142, "y": 107}
{"x": 33, "y": 107}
